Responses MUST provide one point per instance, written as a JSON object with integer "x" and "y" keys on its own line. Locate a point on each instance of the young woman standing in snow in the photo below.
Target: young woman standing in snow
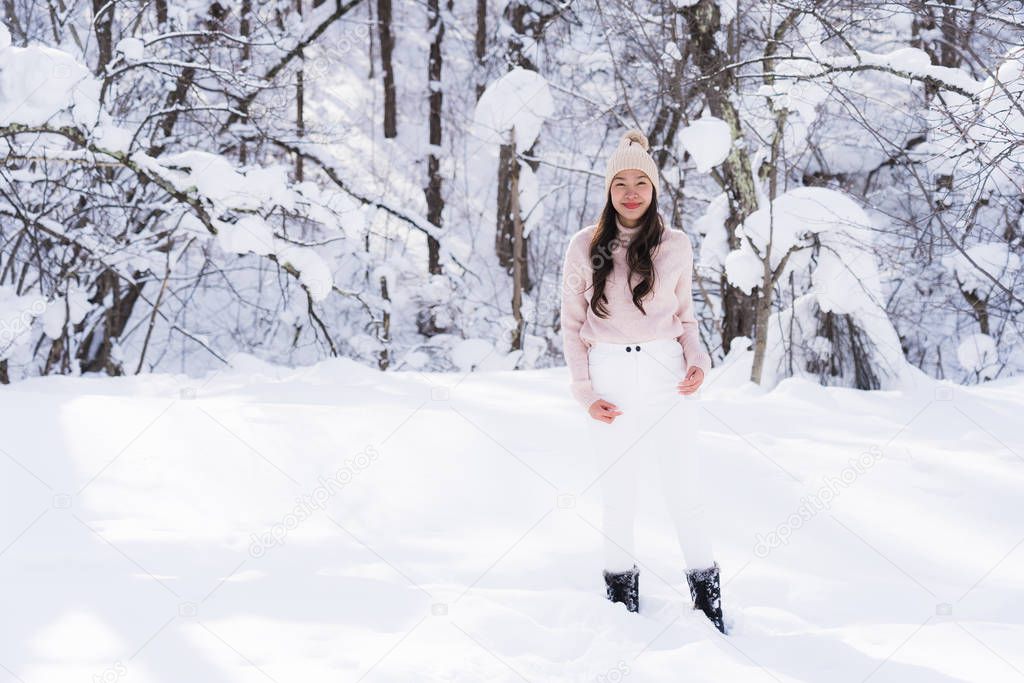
{"x": 634, "y": 353}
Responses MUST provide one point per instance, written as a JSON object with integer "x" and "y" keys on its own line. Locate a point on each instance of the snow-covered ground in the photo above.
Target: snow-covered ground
{"x": 336, "y": 523}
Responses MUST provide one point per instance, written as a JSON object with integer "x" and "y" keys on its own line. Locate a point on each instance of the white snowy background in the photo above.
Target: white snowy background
{"x": 127, "y": 248}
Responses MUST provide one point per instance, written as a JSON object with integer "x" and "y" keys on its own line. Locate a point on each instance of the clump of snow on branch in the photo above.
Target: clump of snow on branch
{"x": 708, "y": 140}
{"x": 520, "y": 100}
{"x": 977, "y": 353}
{"x": 839, "y": 276}
{"x": 64, "y": 310}
{"x": 40, "y": 84}
{"x": 994, "y": 258}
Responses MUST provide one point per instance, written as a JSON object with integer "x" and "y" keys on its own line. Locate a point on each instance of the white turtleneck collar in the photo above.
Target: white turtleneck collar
{"x": 626, "y": 234}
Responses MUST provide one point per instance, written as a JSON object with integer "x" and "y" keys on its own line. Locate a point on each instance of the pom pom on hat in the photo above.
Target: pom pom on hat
{"x": 631, "y": 154}
{"x": 635, "y": 135}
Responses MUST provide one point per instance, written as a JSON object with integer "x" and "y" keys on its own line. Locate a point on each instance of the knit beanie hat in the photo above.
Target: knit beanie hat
{"x": 631, "y": 154}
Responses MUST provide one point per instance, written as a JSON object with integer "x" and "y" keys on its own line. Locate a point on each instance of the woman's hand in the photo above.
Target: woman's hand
{"x": 604, "y": 411}
{"x": 694, "y": 378}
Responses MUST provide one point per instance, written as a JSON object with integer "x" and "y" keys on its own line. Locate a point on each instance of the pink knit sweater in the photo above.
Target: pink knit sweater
{"x": 669, "y": 309}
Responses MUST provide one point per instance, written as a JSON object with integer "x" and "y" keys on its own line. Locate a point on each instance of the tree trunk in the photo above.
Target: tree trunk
{"x": 508, "y": 215}
{"x": 704, "y": 21}
{"x": 769, "y": 170}
{"x": 435, "y": 201}
{"x": 525, "y": 25}
{"x": 103, "y": 22}
{"x": 762, "y": 315}
{"x": 518, "y": 255}
{"x": 480, "y": 45}
{"x": 94, "y": 355}
{"x": 387, "y": 47}
{"x": 980, "y": 308}
{"x": 245, "y": 30}
{"x": 384, "y": 331}
{"x": 300, "y": 95}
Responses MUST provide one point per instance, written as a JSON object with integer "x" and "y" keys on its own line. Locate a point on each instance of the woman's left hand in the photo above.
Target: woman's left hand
{"x": 694, "y": 378}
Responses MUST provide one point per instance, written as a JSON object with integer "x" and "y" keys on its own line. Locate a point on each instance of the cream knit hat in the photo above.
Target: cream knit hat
{"x": 631, "y": 153}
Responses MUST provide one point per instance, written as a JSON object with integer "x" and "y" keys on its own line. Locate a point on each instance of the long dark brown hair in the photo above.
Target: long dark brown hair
{"x": 638, "y": 257}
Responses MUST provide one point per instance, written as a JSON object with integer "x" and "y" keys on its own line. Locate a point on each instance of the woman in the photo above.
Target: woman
{"x": 636, "y": 360}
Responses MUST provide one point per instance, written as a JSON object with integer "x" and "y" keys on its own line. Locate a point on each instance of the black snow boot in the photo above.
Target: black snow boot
{"x": 624, "y": 587}
{"x": 706, "y": 593}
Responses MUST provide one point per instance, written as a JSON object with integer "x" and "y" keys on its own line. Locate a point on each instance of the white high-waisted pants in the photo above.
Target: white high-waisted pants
{"x": 657, "y": 423}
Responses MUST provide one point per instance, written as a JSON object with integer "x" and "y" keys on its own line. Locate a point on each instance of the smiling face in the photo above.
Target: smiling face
{"x": 631, "y": 191}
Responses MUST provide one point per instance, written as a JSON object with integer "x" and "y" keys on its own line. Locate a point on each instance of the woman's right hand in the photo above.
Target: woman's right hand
{"x": 604, "y": 411}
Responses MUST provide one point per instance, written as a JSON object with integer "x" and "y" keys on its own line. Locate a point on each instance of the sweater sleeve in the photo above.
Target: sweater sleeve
{"x": 573, "y": 315}
{"x": 693, "y": 350}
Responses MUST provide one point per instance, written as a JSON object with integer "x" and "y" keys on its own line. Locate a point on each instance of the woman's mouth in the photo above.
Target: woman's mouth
{"x": 631, "y": 205}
